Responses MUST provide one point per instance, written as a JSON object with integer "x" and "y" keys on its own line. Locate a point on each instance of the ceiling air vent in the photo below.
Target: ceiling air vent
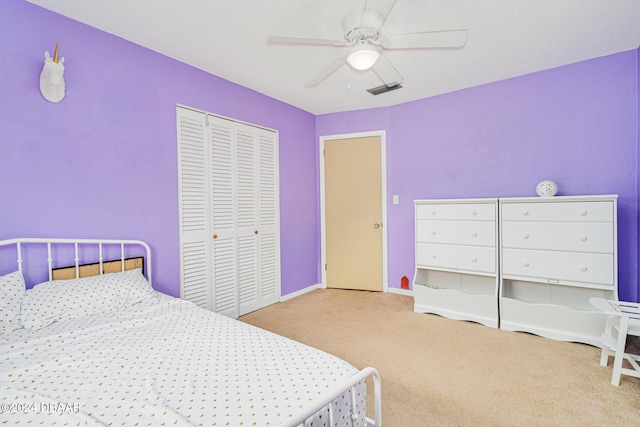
{"x": 384, "y": 88}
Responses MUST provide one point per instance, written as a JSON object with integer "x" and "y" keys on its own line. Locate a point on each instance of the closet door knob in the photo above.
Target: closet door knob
{"x": 215, "y": 236}
{"x": 255, "y": 232}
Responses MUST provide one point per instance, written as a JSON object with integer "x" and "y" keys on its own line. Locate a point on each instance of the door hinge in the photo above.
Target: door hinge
{"x": 325, "y": 266}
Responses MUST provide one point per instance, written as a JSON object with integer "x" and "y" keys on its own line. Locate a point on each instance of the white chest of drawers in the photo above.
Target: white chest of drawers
{"x": 456, "y": 259}
{"x": 556, "y": 253}
{"x": 524, "y": 264}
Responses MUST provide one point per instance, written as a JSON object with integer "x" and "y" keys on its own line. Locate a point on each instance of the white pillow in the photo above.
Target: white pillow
{"x": 56, "y": 300}
{"x": 12, "y": 289}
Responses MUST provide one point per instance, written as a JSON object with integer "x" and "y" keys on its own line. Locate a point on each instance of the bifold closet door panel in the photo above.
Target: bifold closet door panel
{"x": 269, "y": 217}
{"x": 269, "y": 268}
{"x": 223, "y": 211}
{"x": 193, "y": 196}
{"x": 247, "y": 222}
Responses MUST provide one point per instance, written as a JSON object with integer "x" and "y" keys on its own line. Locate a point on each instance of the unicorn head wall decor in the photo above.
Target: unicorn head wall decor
{"x": 52, "y": 77}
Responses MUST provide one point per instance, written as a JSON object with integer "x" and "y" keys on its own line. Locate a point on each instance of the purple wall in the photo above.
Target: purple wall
{"x": 576, "y": 125}
{"x": 102, "y": 163}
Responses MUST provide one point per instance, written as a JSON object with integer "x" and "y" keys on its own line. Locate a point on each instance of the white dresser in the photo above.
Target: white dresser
{"x": 456, "y": 259}
{"x": 556, "y": 253}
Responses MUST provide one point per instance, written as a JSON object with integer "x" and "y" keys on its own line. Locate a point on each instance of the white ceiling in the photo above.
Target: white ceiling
{"x": 228, "y": 38}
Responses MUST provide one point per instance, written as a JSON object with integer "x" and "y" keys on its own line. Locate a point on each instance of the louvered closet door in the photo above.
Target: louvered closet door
{"x": 269, "y": 260}
{"x": 229, "y": 213}
{"x": 247, "y": 219}
{"x": 193, "y": 200}
{"x": 223, "y": 217}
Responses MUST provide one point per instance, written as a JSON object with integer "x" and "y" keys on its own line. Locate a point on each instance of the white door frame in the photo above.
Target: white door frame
{"x": 383, "y": 190}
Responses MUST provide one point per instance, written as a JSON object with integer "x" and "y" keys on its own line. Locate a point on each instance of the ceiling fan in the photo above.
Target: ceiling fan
{"x": 365, "y": 43}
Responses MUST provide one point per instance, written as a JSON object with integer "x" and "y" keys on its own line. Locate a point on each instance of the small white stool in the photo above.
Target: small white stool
{"x": 623, "y": 319}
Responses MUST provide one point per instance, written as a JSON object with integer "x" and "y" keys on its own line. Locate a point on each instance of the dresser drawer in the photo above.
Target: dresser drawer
{"x": 559, "y": 266}
{"x": 581, "y": 237}
{"x": 467, "y": 258}
{"x": 558, "y": 211}
{"x": 473, "y": 233}
{"x": 459, "y": 211}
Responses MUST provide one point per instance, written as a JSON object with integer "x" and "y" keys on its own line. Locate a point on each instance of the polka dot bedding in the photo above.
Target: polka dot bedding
{"x": 65, "y": 299}
{"x": 11, "y": 293}
{"x": 164, "y": 361}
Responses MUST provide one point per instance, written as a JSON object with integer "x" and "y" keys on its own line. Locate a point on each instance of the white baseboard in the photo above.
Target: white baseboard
{"x": 300, "y": 292}
{"x": 292, "y": 295}
{"x": 400, "y": 291}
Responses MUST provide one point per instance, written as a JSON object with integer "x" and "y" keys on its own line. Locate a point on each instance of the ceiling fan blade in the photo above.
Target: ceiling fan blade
{"x": 305, "y": 41}
{"x": 326, "y": 72}
{"x": 386, "y": 13}
{"x": 383, "y": 13}
{"x": 385, "y": 70}
{"x": 426, "y": 40}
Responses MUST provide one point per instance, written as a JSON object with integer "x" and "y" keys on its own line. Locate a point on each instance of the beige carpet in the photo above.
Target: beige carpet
{"x": 441, "y": 372}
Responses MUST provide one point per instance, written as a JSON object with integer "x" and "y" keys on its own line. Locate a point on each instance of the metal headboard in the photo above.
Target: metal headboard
{"x": 100, "y": 243}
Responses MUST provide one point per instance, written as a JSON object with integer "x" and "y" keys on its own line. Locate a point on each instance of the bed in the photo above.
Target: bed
{"x": 107, "y": 349}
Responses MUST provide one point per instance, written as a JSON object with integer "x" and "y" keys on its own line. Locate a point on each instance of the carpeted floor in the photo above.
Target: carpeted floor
{"x": 441, "y": 372}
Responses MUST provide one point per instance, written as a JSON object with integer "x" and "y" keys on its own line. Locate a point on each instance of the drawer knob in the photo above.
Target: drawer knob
{"x": 474, "y": 259}
{"x": 432, "y": 212}
{"x": 433, "y": 256}
{"x": 526, "y": 263}
{"x": 583, "y": 268}
{"x": 525, "y": 236}
{"x": 583, "y": 212}
{"x": 474, "y": 212}
{"x": 583, "y": 238}
{"x": 474, "y": 234}
{"x": 433, "y": 232}
{"x": 525, "y": 213}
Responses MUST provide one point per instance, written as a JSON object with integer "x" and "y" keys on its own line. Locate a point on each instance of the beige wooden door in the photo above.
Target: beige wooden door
{"x": 353, "y": 213}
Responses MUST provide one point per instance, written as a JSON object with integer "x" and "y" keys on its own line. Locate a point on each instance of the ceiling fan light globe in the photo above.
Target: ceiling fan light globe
{"x": 363, "y": 58}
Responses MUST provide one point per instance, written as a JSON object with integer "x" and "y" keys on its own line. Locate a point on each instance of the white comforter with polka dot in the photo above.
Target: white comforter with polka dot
{"x": 165, "y": 361}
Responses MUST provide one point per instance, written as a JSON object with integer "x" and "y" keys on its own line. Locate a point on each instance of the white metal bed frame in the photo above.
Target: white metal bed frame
{"x": 302, "y": 416}
{"x": 101, "y": 243}
{"x": 299, "y": 418}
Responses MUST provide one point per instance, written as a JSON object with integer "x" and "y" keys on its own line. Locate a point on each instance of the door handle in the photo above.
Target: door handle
{"x": 376, "y": 225}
